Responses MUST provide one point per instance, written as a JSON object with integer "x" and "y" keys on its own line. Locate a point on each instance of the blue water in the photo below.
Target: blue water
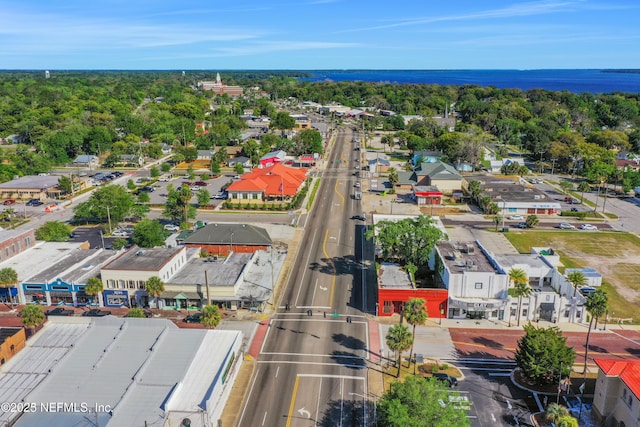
{"x": 576, "y": 81}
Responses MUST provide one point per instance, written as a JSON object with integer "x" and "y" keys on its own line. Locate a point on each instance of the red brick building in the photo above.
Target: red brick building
{"x": 221, "y": 239}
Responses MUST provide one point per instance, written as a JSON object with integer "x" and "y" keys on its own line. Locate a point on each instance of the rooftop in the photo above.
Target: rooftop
{"x": 392, "y": 276}
{"x": 628, "y": 370}
{"x": 222, "y": 233}
{"x": 137, "y": 259}
{"x": 66, "y": 262}
{"x": 461, "y": 257}
{"x": 31, "y": 182}
{"x": 220, "y": 272}
{"x": 39, "y": 257}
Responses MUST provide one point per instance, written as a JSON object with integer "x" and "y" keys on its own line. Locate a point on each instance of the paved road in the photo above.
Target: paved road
{"x": 311, "y": 366}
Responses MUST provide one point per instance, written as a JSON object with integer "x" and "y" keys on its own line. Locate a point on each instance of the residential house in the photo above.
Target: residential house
{"x": 244, "y": 161}
{"x": 438, "y": 174}
{"x": 379, "y": 165}
{"x": 205, "y": 155}
{"x": 131, "y": 160}
{"x": 86, "y": 160}
{"x": 272, "y": 183}
{"x": 616, "y": 400}
{"x": 302, "y": 122}
{"x": 496, "y": 165}
{"x": 221, "y": 239}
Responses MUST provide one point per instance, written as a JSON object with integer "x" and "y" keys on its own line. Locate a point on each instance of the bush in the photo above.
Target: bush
{"x": 444, "y": 367}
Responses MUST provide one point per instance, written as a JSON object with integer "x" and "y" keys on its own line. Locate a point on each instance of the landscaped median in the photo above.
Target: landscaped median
{"x": 612, "y": 254}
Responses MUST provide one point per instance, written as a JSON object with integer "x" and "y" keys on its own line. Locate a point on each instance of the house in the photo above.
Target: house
{"x": 166, "y": 149}
{"x": 308, "y": 159}
{"x": 244, "y": 161}
{"x": 205, "y": 155}
{"x": 125, "y": 276}
{"x": 12, "y": 340}
{"x": 438, "y": 174}
{"x": 378, "y": 165}
{"x": 302, "y": 121}
{"x": 86, "y": 160}
{"x": 221, "y": 239}
{"x": 496, "y": 165}
{"x": 428, "y": 195}
{"x": 272, "y": 183}
{"x": 616, "y": 400}
{"x": 131, "y": 160}
{"x": 513, "y": 197}
{"x": 147, "y": 369}
{"x": 272, "y": 158}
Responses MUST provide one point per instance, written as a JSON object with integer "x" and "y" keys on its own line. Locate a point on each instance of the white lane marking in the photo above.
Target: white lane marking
{"x": 306, "y": 267}
{"x": 341, "y": 399}
{"x": 249, "y": 395}
{"x": 315, "y": 288}
{"x": 344, "y": 377}
{"x": 264, "y": 340}
{"x": 277, "y": 372}
{"x": 314, "y": 355}
{"x": 290, "y": 362}
{"x": 264, "y": 418}
{"x": 318, "y": 402}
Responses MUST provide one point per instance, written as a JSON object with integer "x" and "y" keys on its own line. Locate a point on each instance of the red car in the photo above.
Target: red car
{"x": 200, "y": 183}
{"x": 8, "y": 202}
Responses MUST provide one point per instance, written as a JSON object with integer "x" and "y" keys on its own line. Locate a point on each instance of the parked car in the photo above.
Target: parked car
{"x": 357, "y": 184}
{"x": 586, "y": 290}
{"x": 8, "y": 202}
{"x": 359, "y": 217}
{"x": 120, "y": 233}
{"x": 34, "y": 202}
{"x": 515, "y": 217}
{"x": 193, "y": 318}
{"x": 164, "y": 179}
{"x": 219, "y": 196}
{"x": 588, "y": 227}
{"x": 574, "y": 209}
{"x": 195, "y": 188}
{"x": 446, "y": 378}
{"x": 96, "y": 312}
{"x": 566, "y": 226}
{"x": 117, "y": 174}
{"x": 200, "y": 183}
{"x": 522, "y": 225}
{"x": 171, "y": 227}
{"x": 148, "y": 189}
{"x": 59, "y": 311}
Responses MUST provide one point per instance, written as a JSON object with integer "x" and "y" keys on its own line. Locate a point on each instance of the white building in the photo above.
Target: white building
{"x": 121, "y": 372}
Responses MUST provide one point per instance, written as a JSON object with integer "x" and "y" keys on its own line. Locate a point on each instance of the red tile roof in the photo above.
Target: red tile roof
{"x": 627, "y": 370}
{"x": 274, "y": 180}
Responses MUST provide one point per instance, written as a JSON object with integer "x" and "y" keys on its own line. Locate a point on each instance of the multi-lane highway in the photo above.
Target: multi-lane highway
{"x": 312, "y": 365}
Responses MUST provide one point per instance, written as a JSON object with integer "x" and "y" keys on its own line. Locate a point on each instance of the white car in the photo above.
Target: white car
{"x": 120, "y": 233}
{"x": 588, "y": 227}
{"x": 219, "y": 196}
{"x": 195, "y": 188}
{"x": 171, "y": 227}
{"x": 566, "y": 226}
{"x": 164, "y": 179}
{"x": 516, "y": 217}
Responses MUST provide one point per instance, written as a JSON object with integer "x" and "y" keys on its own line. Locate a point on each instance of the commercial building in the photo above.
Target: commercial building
{"x": 12, "y": 243}
{"x": 12, "y": 340}
{"x": 272, "y": 183}
{"x": 221, "y": 89}
{"x": 219, "y": 239}
{"x": 121, "y": 372}
{"x": 31, "y": 187}
{"x": 616, "y": 400}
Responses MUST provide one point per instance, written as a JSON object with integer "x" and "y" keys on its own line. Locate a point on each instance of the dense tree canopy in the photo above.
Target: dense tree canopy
{"x": 543, "y": 354}
{"x": 417, "y": 402}
{"x": 110, "y": 203}
{"x": 54, "y": 231}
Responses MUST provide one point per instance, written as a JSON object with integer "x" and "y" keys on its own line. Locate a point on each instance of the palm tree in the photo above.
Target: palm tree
{"x": 211, "y": 316}
{"x": 154, "y": 288}
{"x": 475, "y": 190}
{"x": 582, "y": 187}
{"x": 93, "y": 287}
{"x": 399, "y": 339}
{"x": 596, "y": 304}
{"x": 576, "y": 278}
{"x": 521, "y": 289}
{"x": 567, "y": 421}
{"x": 8, "y": 278}
{"x": 415, "y": 311}
{"x": 555, "y": 412}
{"x": 518, "y": 275}
{"x": 32, "y": 316}
{"x": 532, "y": 221}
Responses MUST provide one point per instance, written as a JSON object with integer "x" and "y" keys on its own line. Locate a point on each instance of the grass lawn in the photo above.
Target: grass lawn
{"x": 612, "y": 254}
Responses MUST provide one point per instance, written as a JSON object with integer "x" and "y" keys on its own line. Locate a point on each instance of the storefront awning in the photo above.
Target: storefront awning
{"x": 186, "y": 295}
{"x": 477, "y": 304}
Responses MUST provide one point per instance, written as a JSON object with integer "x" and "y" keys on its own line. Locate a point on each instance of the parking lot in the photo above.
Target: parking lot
{"x": 214, "y": 186}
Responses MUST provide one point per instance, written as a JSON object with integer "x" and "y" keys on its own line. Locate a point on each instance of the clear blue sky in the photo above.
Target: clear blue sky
{"x": 319, "y": 34}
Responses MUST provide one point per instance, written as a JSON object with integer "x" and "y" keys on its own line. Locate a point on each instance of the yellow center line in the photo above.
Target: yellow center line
{"x": 293, "y": 401}
{"x": 333, "y": 267}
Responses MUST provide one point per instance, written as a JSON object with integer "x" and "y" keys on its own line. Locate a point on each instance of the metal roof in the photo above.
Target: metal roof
{"x": 238, "y": 234}
{"x": 152, "y": 259}
{"x": 140, "y": 368}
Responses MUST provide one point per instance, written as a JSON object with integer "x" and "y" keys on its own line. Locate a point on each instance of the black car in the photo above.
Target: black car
{"x": 59, "y": 311}
{"x": 96, "y": 312}
{"x": 359, "y": 217}
{"x": 116, "y": 173}
{"x": 34, "y": 202}
{"x": 193, "y": 318}
{"x": 447, "y": 379}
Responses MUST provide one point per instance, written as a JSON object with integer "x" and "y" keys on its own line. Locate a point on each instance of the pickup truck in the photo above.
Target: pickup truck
{"x": 59, "y": 311}
{"x": 96, "y": 312}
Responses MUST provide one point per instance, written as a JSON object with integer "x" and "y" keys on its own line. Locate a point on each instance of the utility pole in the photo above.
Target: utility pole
{"x": 206, "y": 284}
